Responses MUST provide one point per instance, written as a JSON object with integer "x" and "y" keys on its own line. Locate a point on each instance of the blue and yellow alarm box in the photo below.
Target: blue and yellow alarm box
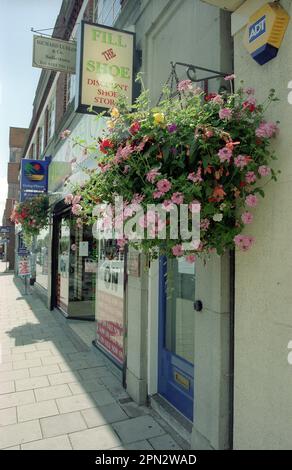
{"x": 265, "y": 32}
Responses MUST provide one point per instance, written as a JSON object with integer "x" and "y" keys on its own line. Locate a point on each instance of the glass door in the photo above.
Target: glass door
{"x": 63, "y": 266}
{"x": 83, "y": 271}
{"x": 176, "y": 334}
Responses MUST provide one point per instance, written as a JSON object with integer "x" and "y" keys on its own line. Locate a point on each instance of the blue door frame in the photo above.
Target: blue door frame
{"x": 175, "y": 374}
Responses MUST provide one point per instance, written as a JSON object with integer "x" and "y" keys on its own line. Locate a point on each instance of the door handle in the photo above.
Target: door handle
{"x": 198, "y": 305}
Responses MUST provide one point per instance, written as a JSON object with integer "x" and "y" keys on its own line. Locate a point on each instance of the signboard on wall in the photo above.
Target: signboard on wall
{"x": 110, "y": 308}
{"x": 265, "y": 32}
{"x": 34, "y": 175}
{"x": 54, "y": 54}
{"x": 105, "y": 67}
{"x": 5, "y": 228}
{"x": 23, "y": 266}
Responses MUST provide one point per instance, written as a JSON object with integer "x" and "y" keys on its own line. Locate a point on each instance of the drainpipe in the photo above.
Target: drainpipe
{"x": 231, "y": 345}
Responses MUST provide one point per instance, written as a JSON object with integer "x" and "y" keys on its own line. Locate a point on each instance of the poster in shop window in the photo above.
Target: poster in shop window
{"x": 105, "y": 63}
{"x": 110, "y": 308}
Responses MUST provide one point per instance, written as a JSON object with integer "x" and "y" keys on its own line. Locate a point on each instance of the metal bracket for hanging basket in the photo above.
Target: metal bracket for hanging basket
{"x": 191, "y": 73}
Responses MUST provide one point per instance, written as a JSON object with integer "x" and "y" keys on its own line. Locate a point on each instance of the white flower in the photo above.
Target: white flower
{"x": 222, "y": 206}
{"x": 217, "y": 217}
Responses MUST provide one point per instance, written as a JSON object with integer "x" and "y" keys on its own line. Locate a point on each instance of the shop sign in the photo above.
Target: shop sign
{"x": 54, "y": 54}
{"x": 110, "y": 308}
{"x": 83, "y": 248}
{"x": 23, "y": 266}
{"x": 34, "y": 175}
{"x": 5, "y": 229}
{"x": 24, "y": 195}
{"x": 133, "y": 264}
{"x": 265, "y": 32}
{"x": 105, "y": 67}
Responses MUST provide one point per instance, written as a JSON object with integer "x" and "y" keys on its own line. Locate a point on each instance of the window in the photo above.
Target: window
{"x": 107, "y": 11}
{"x": 50, "y": 121}
{"x": 42, "y": 141}
{"x": 70, "y": 88}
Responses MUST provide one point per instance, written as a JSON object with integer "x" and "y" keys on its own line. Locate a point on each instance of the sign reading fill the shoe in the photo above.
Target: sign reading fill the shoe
{"x": 54, "y": 54}
{"x": 105, "y": 67}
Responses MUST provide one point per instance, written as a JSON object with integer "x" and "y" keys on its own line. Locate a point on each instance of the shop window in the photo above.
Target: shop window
{"x": 41, "y": 258}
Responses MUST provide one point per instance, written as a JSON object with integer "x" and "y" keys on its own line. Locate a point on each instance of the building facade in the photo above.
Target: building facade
{"x": 167, "y": 354}
{"x": 262, "y": 369}
{"x": 17, "y": 137}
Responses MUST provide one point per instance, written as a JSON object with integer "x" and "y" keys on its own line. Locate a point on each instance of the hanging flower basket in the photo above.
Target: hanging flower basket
{"x": 212, "y": 152}
{"x": 32, "y": 215}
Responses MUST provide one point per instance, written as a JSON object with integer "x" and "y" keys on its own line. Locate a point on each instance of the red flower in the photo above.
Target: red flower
{"x": 105, "y": 145}
{"x": 218, "y": 194}
{"x": 135, "y": 127}
{"x": 210, "y": 96}
{"x": 250, "y": 106}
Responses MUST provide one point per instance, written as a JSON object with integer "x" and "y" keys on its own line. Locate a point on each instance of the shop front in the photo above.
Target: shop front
{"x": 74, "y": 267}
{"x": 110, "y": 303}
{"x": 176, "y": 334}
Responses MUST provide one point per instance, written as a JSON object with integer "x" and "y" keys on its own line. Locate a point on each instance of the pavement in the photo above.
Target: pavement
{"x": 56, "y": 392}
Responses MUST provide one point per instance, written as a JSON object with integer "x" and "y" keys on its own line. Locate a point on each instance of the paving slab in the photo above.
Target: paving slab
{"x": 100, "y": 438}
{"x": 53, "y": 443}
{"x": 62, "y": 424}
{"x": 143, "y": 427}
{"x": 20, "y": 433}
{"x": 37, "y": 410}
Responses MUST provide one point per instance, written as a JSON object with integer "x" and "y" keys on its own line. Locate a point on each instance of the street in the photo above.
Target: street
{"x": 55, "y": 392}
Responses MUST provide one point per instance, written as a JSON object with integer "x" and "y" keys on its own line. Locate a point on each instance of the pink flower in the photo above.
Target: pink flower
{"x": 121, "y": 242}
{"x": 157, "y": 194}
{"x": 79, "y": 222}
{"x": 250, "y": 177}
{"x": 190, "y": 259}
{"x": 205, "y": 224}
{"x": 241, "y": 161}
{"x": 250, "y": 101}
{"x": 76, "y": 209}
{"x": 185, "y": 85}
{"x": 251, "y": 200}
{"x": 152, "y": 175}
{"x": 163, "y": 186}
{"x": 249, "y": 91}
{"x": 126, "y": 169}
{"x": 104, "y": 167}
{"x": 267, "y": 130}
{"x": 225, "y": 113}
{"x": 209, "y": 134}
{"x": 177, "y": 198}
{"x": 195, "y": 207}
{"x": 167, "y": 205}
{"x": 142, "y": 221}
{"x": 247, "y": 218}
{"x": 129, "y": 211}
{"x": 137, "y": 198}
{"x": 264, "y": 170}
{"x": 243, "y": 242}
{"x": 230, "y": 77}
{"x": 177, "y": 250}
{"x": 68, "y": 199}
{"x": 73, "y": 247}
{"x": 218, "y": 100}
{"x": 65, "y": 134}
{"x": 196, "y": 177}
{"x": 225, "y": 154}
{"x": 76, "y": 199}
